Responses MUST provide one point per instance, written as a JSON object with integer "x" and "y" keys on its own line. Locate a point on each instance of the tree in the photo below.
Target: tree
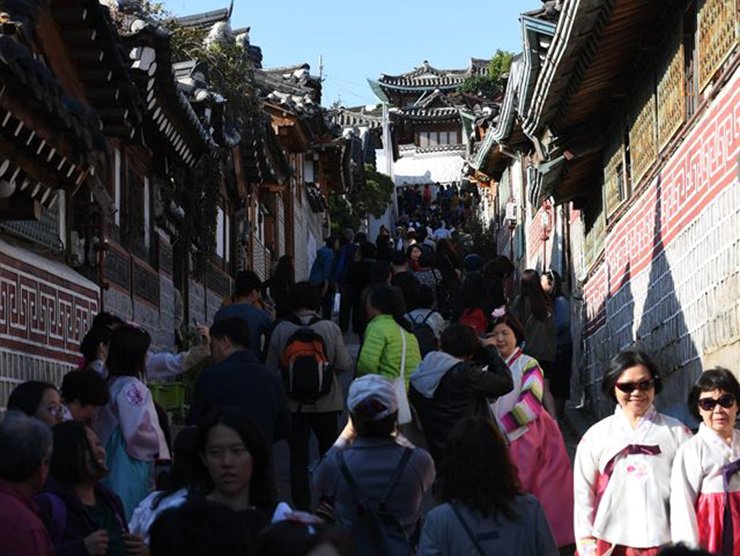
{"x": 487, "y": 86}
{"x": 373, "y": 198}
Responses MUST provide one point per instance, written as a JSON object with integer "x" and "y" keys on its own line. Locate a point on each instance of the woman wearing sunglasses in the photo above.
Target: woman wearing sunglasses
{"x": 623, "y": 463}
{"x": 705, "y": 483}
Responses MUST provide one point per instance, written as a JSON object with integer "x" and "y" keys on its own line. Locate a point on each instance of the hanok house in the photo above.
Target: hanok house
{"x": 186, "y": 143}
{"x": 634, "y": 118}
{"x": 528, "y": 232}
{"x": 294, "y": 204}
{"x": 428, "y": 144}
{"x": 63, "y": 89}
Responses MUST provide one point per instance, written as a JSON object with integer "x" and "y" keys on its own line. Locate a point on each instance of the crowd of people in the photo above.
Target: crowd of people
{"x": 446, "y": 441}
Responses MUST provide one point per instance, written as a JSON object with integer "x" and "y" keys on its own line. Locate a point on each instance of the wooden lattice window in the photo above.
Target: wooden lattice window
{"x": 671, "y": 105}
{"x": 643, "y": 132}
{"x": 717, "y": 22}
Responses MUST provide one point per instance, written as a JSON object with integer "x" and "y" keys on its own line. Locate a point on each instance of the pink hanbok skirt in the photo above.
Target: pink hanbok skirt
{"x": 709, "y": 516}
{"x": 544, "y": 471}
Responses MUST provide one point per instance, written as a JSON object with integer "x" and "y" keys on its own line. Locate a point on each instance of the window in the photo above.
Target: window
{"x": 220, "y": 225}
{"x": 691, "y": 79}
{"x": 453, "y": 138}
{"x": 443, "y": 138}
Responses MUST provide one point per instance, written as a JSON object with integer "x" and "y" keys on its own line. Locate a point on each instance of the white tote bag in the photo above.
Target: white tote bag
{"x": 399, "y": 386}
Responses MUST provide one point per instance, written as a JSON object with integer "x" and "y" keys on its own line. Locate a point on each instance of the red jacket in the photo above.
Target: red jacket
{"x": 22, "y": 533}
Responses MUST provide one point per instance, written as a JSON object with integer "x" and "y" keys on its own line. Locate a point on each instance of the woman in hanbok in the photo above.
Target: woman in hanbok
{"x": 705, "y": 483}
{"x": 623, "y": 464}
{"x": 128, "y": 425}
{"x": 535, "y": 443}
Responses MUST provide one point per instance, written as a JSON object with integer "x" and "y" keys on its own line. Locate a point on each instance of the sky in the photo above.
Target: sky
{"x": 358, "y": 41}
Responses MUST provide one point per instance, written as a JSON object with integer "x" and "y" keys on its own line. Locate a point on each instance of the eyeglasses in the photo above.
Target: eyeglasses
{"x": 629, "y": 387}
{"x": 725, "y": 400}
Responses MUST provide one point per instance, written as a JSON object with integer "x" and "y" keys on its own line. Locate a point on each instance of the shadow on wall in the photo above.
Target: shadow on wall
{"x": 663, "y": 332}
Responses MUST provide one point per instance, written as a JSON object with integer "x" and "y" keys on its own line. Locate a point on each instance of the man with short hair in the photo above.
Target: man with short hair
{"x": 403, "y": 277}
{"x": 84, "y": 392}
{"x": 448, "y": 385}
{"x": 25, "y": 445}
{"x": 320, "y": 415}
{"x": 237, "y": 378}
{"x": 322, "y": 274}
{"x": 247, "y": 306}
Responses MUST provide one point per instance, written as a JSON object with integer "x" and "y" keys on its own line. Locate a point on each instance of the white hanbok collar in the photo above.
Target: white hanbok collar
{"x": 731, "y": 451}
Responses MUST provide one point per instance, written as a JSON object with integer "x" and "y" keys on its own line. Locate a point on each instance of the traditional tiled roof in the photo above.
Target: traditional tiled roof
{"x": 428, "y": 114}
{"x": 262, "y": 157}
{"x": 358, "y": 116}
{"x": 429, "y": 77}
{"x": 54, "y": 147}
{"x": 169, "y": 110}
{"x": 206, "y": 20}
{"x": 101, "y": 64}
{"x": 296, "y": 81}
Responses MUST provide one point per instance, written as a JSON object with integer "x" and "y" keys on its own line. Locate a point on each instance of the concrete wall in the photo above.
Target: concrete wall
{"x": 669, "y": 281}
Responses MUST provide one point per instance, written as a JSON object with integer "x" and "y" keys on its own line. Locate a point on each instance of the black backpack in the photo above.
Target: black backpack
{"x": 306, "y": 370}
{"x": 425, "y": 335}
{"x": 375, "y": 530}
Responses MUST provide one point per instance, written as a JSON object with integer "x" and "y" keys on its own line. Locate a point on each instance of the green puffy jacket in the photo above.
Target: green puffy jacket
{"x": 382, "y": 347}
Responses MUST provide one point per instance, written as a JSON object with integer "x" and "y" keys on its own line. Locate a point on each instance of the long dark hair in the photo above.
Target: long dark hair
{"x": 382, "y": 298}
{"x": 27, "y": 396}
{"x": 127, "y": 351}
{"x": 180, "y": 474}
{"x": 262, "y": 486}
{"x": 532, "y": 297}
{"x": 476, "y": 469}
{"x": 70, "y": 455}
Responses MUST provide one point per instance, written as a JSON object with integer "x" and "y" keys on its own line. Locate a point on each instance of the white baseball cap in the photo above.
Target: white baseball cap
{"x": 372, "y": 387}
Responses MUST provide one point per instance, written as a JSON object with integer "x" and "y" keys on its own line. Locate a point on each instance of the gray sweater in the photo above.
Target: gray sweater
{"x": 336, "y": 351}
{"x": 530, "y": 535}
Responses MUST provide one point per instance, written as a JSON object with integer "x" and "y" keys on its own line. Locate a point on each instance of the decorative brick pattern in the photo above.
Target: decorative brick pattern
{"x": 118, "y": 268}
{"x": 670, "y": 279}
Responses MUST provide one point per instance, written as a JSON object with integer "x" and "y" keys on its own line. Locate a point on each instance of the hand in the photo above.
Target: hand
{"x": 204, "y": 333}
{"x": 348, "y": 434}
{"x": 96, "y": 543}
{"x": 134, "y": 544}
{"x": 487, "y": 341}
{"x": 587, "y": 547}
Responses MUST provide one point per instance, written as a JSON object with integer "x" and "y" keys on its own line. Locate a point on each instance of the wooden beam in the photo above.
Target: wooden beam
{"x": 86, "y": 54}
{"x": 20, "y": 207}
{"x": 68, "y": 17}
{"x": 99, "y": 75}
{"x": 78, "y": 36}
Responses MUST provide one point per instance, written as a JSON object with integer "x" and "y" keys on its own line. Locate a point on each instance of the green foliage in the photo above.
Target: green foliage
{"x": 488, "y": 86}
{"x": 500, "y": 64}
{"x": 479, "y": 85}
{"x": 377, "y": 194}
{"x": 479, "y": 238}
{"x": 348, "y": 211}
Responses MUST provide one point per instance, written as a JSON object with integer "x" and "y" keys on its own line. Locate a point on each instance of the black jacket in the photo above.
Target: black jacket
{"x": 242, "y": 381}
{"x": 445, "y": 390}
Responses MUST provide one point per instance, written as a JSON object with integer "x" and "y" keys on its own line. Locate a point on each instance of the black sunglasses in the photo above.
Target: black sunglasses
{"x": 725, "y": 400}
{"x": 629, "y": 387}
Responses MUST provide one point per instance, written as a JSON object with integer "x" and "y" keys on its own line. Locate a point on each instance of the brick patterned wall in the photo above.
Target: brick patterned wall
{"x": 670, "y": 279}
{"x": 45, "y": 310}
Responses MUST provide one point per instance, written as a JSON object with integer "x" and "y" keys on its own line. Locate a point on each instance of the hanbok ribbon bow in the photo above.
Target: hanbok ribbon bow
{"x": 728, "y": 540}
{"x": 629, "y": 450}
